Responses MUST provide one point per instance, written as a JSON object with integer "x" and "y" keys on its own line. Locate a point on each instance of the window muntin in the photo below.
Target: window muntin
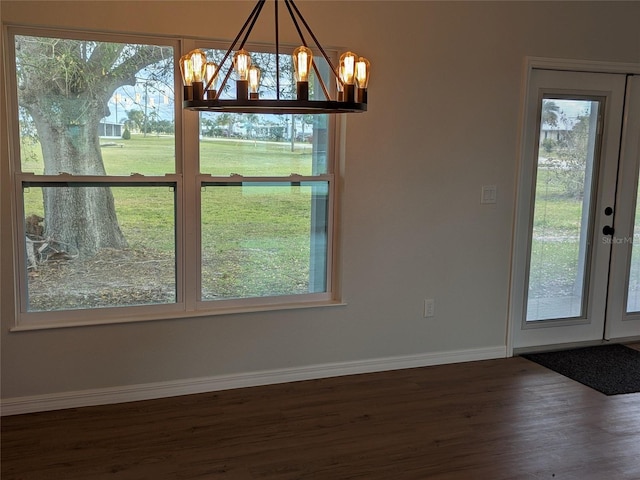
{"x": 154, "y": 207}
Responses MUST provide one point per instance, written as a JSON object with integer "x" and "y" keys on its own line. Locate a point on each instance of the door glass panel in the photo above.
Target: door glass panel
{"x": 633, "y": 294}
{"x": 559, "y": 258}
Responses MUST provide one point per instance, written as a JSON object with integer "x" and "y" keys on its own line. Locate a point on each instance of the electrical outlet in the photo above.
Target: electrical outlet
{"x": 429, "y": 308}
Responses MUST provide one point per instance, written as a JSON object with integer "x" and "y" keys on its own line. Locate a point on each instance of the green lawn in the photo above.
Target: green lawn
{"x": 555, "y": 244}
{"x": 155, "y": 155}
{"x": 255, "y": 239}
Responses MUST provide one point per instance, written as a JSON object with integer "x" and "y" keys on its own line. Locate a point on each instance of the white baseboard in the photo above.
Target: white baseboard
{"x": 148, "y": 391}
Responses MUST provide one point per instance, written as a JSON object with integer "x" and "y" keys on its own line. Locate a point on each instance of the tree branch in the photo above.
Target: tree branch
{"x": 103, "y": 57}
{"x": 125, "y": 73}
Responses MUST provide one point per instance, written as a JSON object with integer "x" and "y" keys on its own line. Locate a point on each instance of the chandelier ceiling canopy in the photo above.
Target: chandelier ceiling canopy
{"x": 200, "y": 77}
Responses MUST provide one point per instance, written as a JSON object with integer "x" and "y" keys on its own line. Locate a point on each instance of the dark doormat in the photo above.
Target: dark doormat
{"x": 610, "y": 369}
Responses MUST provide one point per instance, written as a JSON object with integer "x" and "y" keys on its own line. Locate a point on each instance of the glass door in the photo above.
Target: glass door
{"x": 567, "y": 190}
{"x": 623, "y": 312}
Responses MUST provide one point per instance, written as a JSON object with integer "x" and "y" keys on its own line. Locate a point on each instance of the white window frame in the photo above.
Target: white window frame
{"x": 187, "y": 180}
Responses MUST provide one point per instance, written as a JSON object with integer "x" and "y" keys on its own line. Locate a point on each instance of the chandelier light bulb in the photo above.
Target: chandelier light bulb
{"x": 348, "y": 75}
{"x": 348, "y": 67}
{"x": 254, "y": 82}
{"x": 302, "y": 59}
{"x": 362, "y": 79}
{"x": 195, "y": 64}
{"x": 242, "y": 63}
{"x": 199, "y": 62}
{"x": 186, "y": 70}
{"x": 302, "y": 62}
{"x": 362, "y": 72}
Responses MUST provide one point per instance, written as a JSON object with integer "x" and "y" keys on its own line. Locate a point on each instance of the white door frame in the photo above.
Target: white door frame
{"x": 621, "y": 324}
{"x": 520, "y": 231}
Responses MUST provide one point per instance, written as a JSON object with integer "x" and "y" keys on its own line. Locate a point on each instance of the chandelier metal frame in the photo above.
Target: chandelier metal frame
{"x": 347, "y": 104}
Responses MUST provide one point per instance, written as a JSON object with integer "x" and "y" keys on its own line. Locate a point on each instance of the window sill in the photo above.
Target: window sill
{"x": 81, "y": 321}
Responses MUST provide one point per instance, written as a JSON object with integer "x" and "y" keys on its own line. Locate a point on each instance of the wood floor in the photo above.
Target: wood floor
{"x": 495, "y": 419}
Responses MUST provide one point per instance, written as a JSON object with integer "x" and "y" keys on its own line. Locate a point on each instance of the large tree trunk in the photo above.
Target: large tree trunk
{"x": 83, "y": 217}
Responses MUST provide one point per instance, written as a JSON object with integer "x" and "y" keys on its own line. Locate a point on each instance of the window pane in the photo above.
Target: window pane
{"x": 633, "y": 295}
{"x": 264, "y": 239}
{"x": 261, "y": 152}
{"x": 265, "y": 144}
{"x": 70, "y": 267}
{"x": 95, "y": 108}
{"x": 559, "y": 248}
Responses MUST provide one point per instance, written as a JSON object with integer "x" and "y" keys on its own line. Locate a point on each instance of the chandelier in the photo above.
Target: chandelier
{"x": 200, "y": 77}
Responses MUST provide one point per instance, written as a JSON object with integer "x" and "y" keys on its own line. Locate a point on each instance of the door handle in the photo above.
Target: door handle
{"x": 608, "y": 230}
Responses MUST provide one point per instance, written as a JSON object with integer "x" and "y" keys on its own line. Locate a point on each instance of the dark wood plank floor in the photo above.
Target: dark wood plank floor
{"x": 495, "y": 419}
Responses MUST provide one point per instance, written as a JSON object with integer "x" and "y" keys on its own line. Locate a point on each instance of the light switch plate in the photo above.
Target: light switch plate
{"x": 489, "y": 194}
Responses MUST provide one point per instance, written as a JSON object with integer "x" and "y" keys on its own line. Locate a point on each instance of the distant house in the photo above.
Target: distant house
{"x": 554, "y": 132}
{"x": 109, "y": 129}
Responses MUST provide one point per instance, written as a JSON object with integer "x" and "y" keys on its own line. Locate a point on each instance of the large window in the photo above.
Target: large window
{"x": 123, "y": 214}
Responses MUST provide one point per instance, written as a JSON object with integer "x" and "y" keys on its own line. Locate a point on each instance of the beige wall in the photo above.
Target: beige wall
{"x": 413, "y": 226}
